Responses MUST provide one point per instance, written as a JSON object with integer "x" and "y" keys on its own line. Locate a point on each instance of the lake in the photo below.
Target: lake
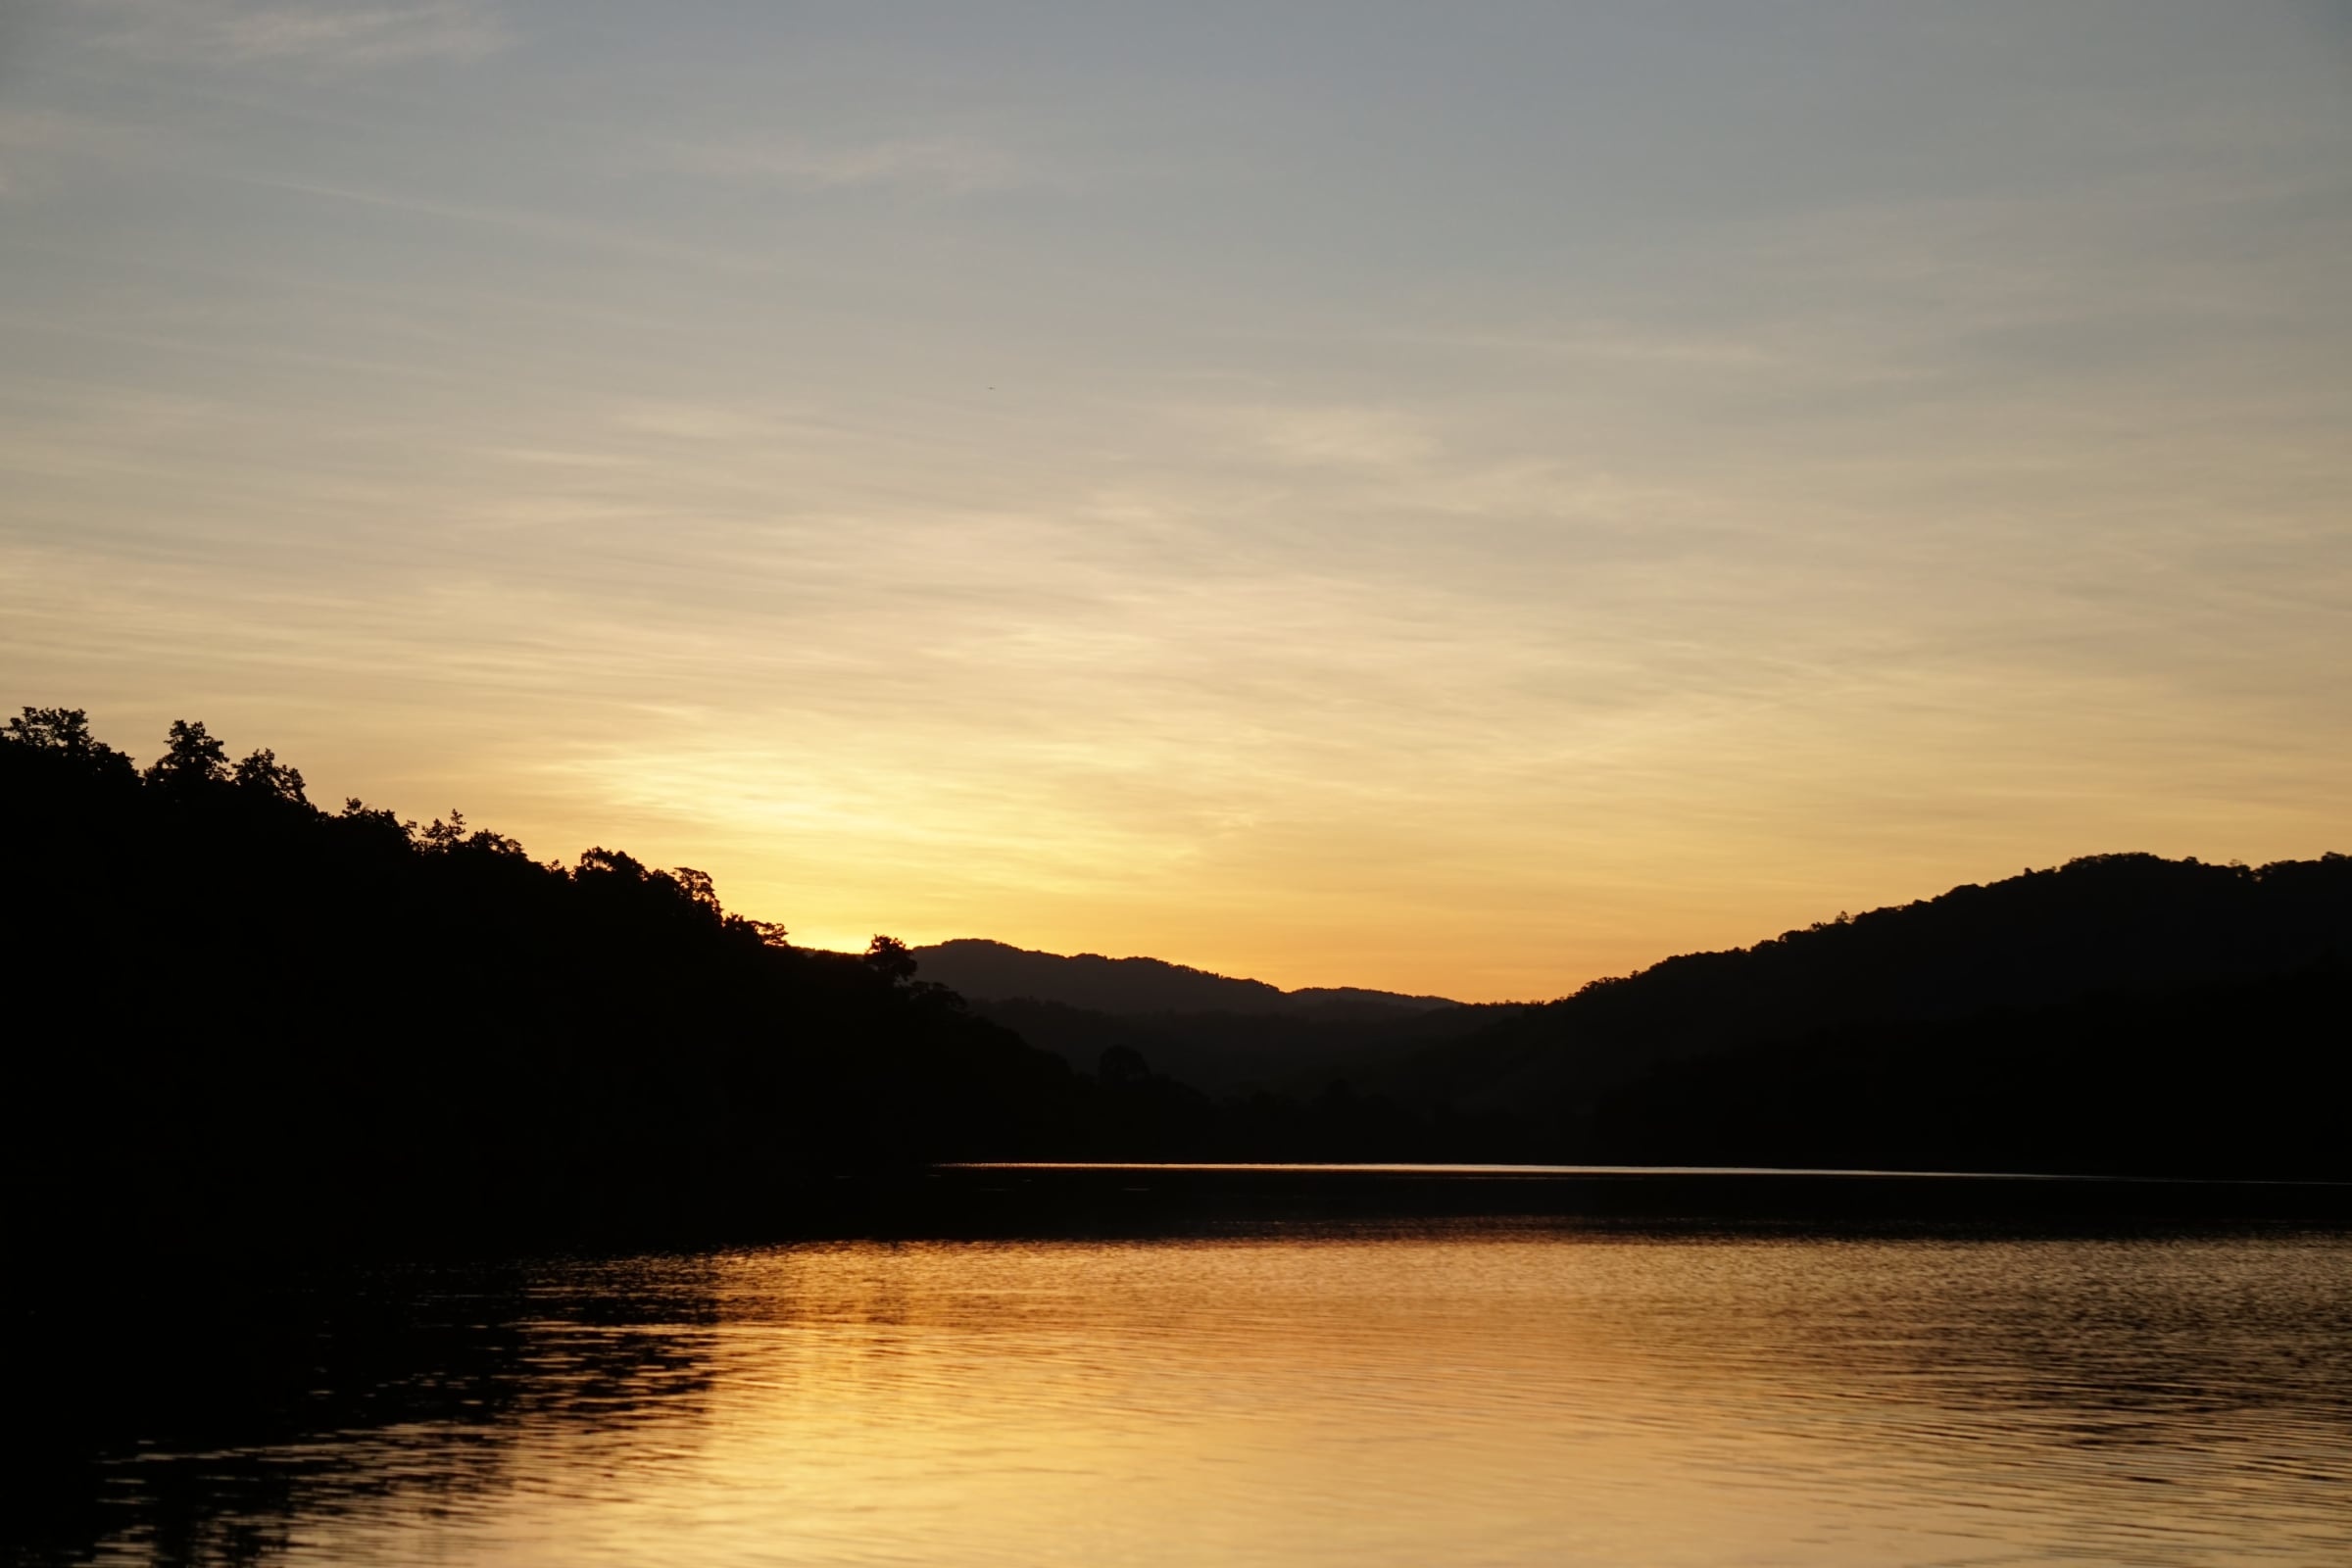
{"x": 1460, "y": 1389}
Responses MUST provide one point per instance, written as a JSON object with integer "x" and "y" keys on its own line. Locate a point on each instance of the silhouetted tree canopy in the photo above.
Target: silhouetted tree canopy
{"x": 237, "y": 1018}
{"x": 2121, "y": 1013}
{"x": 193, "y": 761}
{"x": 239, "y": 1015}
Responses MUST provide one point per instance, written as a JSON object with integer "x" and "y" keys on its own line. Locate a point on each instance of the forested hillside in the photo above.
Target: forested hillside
{"x": 2121, "y": 1013}
{"x": 234, "y": 1014}
{"x": 238, "y": 1018}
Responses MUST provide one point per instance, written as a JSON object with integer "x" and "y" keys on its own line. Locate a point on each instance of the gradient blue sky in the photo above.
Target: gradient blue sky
{"x": 1462, "y": 499}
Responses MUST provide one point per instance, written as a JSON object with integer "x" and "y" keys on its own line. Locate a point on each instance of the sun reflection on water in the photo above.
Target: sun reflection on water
{"x": 1485, "y": 1392}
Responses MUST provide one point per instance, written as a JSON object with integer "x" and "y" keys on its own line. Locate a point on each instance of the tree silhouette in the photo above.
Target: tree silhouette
{"x": 260, "y": 774}
{"x": 244, "y": 1018}
{"x": 237, "y": 1020}
{"x": 192, "y": 761}
{"x": 888, "y": 958}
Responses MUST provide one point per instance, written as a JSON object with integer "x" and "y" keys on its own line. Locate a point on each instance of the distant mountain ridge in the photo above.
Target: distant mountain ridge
{"x": 2120, "y": 1013}
{"x": 985, "y": 970}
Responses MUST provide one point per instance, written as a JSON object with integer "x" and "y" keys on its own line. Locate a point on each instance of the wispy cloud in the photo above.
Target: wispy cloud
{"x": 546, "y": 228}
{"x": 1338, "y": 436}
{"x": 228, "y": 30}
{"x": 938, "y": 162}
{"x": 27, "y": 142}
{"x": 724, "y": 437}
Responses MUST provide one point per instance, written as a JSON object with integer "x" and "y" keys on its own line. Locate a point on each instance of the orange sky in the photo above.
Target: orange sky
{"x": 1453, "y": 509}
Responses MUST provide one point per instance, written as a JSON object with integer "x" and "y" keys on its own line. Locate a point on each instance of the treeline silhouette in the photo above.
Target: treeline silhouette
{"x": 237, "y": 1015}
{"x": 240, "y": 1019}
{"x": 237, "y": 1018}
{"x": 2121, "y": 1014}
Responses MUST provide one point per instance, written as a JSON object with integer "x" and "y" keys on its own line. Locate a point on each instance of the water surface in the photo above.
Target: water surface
{"x": 1461, "y": 1391}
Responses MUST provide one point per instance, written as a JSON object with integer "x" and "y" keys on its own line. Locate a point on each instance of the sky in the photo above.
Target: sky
{"x": 1457, "y": 498}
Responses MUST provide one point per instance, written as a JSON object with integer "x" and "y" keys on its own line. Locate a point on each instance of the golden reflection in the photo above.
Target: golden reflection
{"x": 1496, "y": 1395}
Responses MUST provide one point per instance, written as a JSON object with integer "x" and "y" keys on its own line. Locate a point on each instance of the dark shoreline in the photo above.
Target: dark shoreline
{"x": 1015, "y": 1200}
{"x": 1137, "y": 1198}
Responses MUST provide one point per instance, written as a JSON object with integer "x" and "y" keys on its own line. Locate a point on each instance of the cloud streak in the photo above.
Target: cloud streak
{"x": 1521, "y": 503}
{"x": 356, "y": 35}
{"x": 952, "y": 164}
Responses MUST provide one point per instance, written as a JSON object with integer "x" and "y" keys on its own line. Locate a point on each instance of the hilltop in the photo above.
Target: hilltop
{"x": 2120, "y": 1012}
{"x": 1213, "y": 1032}
{"x": 1136, "y": 987}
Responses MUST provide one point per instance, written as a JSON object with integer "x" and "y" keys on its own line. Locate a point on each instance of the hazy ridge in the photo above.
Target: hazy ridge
{"x": 984, "y": 969}
{"x": 1213, "y": 1032}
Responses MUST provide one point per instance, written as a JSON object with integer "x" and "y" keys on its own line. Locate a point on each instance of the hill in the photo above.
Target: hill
{"x": 1214, "y": 1033}
{"x": 239, "y": 1020}
{"x": 1138, "y": 987}
{"x": 2121, "y": 1013}
{"x": 240, "y": 1023}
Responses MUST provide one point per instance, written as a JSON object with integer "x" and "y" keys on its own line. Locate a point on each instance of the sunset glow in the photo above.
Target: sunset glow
{"x": 1374, "y": 498}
